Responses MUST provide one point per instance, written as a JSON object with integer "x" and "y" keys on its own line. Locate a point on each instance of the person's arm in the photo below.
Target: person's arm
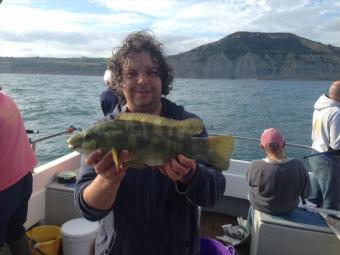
{"x": 101, "y": 192}
{"x": 334, "y": 131}
{"x": 207, "y": 186}
{"x": 98, "y": 184}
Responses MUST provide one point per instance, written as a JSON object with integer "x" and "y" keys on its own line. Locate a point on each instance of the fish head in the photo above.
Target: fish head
{"x": 83, "y": 142}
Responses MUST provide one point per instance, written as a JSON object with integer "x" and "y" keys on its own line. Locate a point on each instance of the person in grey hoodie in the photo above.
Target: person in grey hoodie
{"x": 325, "y": 163}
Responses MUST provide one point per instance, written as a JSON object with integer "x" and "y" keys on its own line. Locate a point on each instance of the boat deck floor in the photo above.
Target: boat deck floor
{"x": 210, "y": 226}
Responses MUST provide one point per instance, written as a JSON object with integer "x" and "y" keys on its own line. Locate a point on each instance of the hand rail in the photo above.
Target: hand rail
{"x": 256, "y": 139}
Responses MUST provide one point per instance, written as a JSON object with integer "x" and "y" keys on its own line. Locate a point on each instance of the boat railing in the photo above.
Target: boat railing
{"x": 254, "y": 152}
{"x": 258, "y": 140}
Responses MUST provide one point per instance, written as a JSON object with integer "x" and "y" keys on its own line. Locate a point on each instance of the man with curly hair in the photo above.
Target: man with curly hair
{"x": 151, "y": 210}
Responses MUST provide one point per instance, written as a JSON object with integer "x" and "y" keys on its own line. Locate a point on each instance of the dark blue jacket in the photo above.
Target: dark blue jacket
{"x": 153, "y": 215}
{"x": 108, "y": 101}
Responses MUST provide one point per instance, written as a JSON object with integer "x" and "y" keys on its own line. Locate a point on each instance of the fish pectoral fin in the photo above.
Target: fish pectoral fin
{"x": 115, "y": 157}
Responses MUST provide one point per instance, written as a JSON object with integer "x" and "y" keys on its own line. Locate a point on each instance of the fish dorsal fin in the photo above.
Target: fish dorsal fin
{"x": 191, "y": 126}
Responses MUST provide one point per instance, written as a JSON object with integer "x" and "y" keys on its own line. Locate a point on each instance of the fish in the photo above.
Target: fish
{"x": 152, "y": 139}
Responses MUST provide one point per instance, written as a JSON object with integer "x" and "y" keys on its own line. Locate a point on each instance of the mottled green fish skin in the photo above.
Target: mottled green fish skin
{"x": 147, "y": 143}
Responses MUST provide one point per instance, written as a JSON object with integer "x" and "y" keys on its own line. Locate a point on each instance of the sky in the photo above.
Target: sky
{"x": 92, "y": 28}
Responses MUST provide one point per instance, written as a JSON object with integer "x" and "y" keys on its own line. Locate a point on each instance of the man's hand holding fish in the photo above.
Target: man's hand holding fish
{"x": 105, "y": 166}
{"x": 181, "y": 169}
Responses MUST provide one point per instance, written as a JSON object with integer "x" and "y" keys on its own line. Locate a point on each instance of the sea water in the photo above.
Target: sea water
{"x": 244, "y": 108}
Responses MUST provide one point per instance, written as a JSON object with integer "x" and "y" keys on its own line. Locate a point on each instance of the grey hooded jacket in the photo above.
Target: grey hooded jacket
{"x": 326, "y": 124}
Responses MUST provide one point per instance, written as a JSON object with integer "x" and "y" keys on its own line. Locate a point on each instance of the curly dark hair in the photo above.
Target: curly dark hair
{"x": 138, "y": 42}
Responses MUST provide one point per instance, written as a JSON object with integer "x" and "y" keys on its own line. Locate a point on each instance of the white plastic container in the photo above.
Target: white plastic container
{"x": 78, "y": 236}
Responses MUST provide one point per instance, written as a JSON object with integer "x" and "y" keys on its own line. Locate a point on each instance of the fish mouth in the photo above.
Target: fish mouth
{"x": 70, "y": 145}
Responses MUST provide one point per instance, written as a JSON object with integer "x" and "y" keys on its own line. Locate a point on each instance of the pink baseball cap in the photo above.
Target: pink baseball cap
{"x": 272, "y": 138}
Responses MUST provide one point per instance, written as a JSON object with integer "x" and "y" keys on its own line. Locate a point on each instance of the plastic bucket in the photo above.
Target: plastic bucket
{"x": 79, "y": 236}
{"x": 44, "y": 239}
{"x": 213, "y": 247}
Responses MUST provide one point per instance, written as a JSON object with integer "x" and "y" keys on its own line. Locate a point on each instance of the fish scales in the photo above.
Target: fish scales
{"x": 151, "y": 140}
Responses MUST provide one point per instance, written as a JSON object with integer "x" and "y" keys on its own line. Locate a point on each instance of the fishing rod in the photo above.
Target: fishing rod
{"x": 68, "y": 130}
{"x": 267, "y": 110}
{"x": 31, "y": 131}
{"x": 317, "y": 154}
{"x": 326, "y": 211}
{"x": 331, "y": 152}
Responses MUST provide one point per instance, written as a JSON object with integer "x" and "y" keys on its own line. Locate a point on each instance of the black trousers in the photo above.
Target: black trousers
{"x": 13, "y": 209}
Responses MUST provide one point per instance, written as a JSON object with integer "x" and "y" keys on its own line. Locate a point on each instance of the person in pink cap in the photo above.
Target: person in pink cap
{"x": 276, "y": 183}
{"x": 17, "y": 160}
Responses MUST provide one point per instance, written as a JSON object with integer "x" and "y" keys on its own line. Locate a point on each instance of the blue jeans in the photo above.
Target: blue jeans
{"x": 250, "y": 217}
{"x": 325, "y": 181}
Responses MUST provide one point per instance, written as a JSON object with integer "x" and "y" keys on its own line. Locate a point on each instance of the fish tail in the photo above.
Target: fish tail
{"x": 219, "y": 151}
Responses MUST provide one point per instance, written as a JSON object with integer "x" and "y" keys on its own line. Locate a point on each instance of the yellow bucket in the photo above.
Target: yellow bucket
{"x": 45, "y": 239}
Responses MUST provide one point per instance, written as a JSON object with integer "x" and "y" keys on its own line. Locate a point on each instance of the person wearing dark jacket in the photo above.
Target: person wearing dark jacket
{"x": 108, "y": 98}
{"x": 146, "y": 211}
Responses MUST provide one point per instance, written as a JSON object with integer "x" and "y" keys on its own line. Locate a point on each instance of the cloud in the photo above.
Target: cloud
{"x": 333, "y": 26}
{"x": 153, "y": 8}
{"x": 99, "y": 26}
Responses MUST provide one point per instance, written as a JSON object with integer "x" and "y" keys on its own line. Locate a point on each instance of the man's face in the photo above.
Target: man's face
{"x": 142, "y": 85}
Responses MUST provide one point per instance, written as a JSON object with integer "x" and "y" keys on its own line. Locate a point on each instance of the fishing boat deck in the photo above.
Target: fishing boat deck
{"x": 210, "y": 226}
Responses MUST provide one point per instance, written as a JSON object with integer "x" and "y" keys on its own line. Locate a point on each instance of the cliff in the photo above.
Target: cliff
{"x": 237, "y": 56}
{"x": 260, "y": 55}
{"x": 69, "y": 66}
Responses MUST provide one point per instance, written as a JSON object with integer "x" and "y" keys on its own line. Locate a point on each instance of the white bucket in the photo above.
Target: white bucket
{"x": 78, "y": 236}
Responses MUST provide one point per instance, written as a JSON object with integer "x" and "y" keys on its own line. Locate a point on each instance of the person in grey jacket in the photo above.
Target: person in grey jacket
{"x": 276, "y": 183}
{"x": 147, "y": 211}
{"x": 325, "y": 158}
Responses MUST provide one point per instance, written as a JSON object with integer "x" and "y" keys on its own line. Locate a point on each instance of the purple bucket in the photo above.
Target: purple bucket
{"x": 213, "y": 247}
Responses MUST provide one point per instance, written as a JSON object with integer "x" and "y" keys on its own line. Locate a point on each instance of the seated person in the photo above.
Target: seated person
{"x": 276, "y": 183}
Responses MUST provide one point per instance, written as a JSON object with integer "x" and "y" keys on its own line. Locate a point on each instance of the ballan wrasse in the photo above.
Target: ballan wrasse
{"x": 151, "y": 140}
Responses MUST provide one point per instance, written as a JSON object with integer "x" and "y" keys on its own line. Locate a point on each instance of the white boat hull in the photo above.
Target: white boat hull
{"x": 44, "y": 175}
